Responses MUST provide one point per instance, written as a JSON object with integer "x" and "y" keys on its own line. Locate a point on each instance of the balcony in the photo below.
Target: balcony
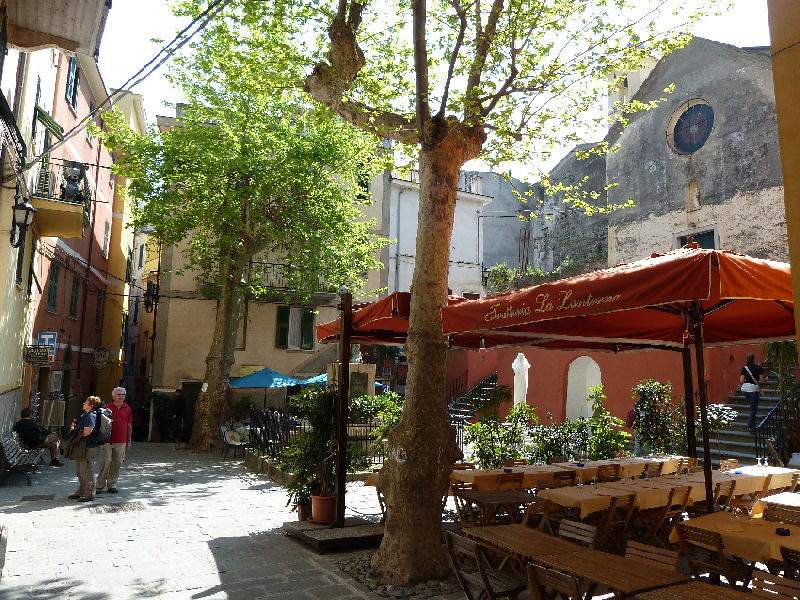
{"x": 62, "y": 197}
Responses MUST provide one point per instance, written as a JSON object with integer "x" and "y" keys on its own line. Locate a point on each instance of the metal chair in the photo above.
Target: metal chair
{"x": 472, "y": 568}
{"x": 705, "y": 552}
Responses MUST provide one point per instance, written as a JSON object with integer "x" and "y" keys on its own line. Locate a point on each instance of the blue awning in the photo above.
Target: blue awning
{"x": 263, "y": 379}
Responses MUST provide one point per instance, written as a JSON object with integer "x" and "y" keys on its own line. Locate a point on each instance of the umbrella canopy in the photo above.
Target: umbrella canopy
{"x": 264, "y": 378}
{"x": 646, "y": 303}
{"x": 381, "y": 322}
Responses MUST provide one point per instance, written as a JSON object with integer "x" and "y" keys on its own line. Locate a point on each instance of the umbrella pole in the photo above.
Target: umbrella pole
{"x": 341, "y": 409}
{"x": 697, "y": 322}
{"x": 688, "y": 394}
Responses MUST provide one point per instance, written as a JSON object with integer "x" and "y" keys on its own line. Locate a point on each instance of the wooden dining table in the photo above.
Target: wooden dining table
{"x": 694, "y": 590}
{"x": 586, "y": 499}
{"x": 787, "y": 499}
{"x": 629, "y": 467}
{"x": 623, "y": 576}
{"x": 520, "y": 541}
{"x": 490, "y": 501}
{"x": 486, "y": 479}
{"x": 748, "y": 538}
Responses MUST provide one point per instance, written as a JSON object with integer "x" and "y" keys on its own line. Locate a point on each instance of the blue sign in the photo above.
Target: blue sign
{"x": 48, "y": 338}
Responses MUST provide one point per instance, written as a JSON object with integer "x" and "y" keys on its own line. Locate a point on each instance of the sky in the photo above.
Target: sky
{"x": 131, "y": 24}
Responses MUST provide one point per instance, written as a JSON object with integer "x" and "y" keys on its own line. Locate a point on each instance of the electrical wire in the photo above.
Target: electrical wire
{"x": 217, "y": 6}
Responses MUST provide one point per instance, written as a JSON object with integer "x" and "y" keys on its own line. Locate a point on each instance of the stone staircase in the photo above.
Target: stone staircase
{"x": 737, "y": 441}
{"x": 460, "y": 409}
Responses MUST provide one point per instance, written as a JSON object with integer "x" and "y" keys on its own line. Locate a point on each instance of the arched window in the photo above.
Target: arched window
{"x": 583, "y": 373}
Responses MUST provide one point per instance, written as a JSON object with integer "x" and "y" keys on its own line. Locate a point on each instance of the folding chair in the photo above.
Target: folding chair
{"x": 774, "y": 587}
{"x": 542, "y": 514}
{"x": 723, "y": 493}
{"x": 515, "y": 462}
{"x": 608, "y": 472}
{"x": 652, "y": 555}
{"x": 578, "y": 532}
{"x": 613, "y": 527}
{"x": 547, "y": 584}
{"x": 659, "y": 522}
{"x": 791, "y": 563}
{"x": 727, "y": 464}
{"x": 782, "y": 514}
{"x": 510, "y": 481}
{"x": 469, "y": 514}
{"x": 745, "y": 504}
{"x": 652, "y": 469}
{"x": 693, "y": 466}
{"x": 564, "y": 478}
{"x": 557, "y": 459}
{"x": 705, "y": 552}
{"x": 789, "y": 488}
{"x": 683, "y": 466}
{"x": 471, "y": 568}
{"x": 463, "y": 466}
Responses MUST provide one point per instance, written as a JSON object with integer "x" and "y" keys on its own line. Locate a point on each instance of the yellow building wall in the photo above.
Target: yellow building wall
{"x": 784, "y": 28}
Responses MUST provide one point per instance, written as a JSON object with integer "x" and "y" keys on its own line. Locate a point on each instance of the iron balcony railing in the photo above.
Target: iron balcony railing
{"x": 64, "y": 181}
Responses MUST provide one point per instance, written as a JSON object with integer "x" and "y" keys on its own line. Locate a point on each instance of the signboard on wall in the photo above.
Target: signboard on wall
{"x": 48, "y": 338}
{"x": 37, "y": 355}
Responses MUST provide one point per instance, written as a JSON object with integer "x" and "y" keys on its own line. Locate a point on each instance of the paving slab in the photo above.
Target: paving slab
{"x": 183, "y": 526}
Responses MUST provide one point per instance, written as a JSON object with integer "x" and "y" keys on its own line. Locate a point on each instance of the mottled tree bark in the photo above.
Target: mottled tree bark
{"x": 211, "y": 407}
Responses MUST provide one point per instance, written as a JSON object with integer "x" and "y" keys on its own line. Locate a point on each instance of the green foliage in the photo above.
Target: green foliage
{"x": 494, "y": 441}
{"x": 241, "y": 408}
{"x": 489, "y": 401}
{"x": 720, "y": 416}
{"x": 503, "y": 279}
{"x": 567, "y": 438}
{"x": 386, "y": 407}
{"x": 660, "y": 420}
{"x": 607, "y": 435}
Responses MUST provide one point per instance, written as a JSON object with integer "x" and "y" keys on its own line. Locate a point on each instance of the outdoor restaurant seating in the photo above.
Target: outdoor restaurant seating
{"x": 609, "y": 472}
{"x": 782, "y": 514}
{"x": 543, "y": 515}
{"x": 509, "y": 481}
{"x": 613, "y": 525}
{"x": 472, "y": 569}
{"x": 659, "y": 522}
{"x": 578, "y": 532}
{"x": 745, "y": 503}
{"x": 469, "y": 514}
{"x": 548, "y": 583}
{"x": 515, "y": 462}
{"x": 705, "y": 552}
{"x": 557, "y": 459}
{"x": 774, "y": 587}
{"x": 727, "y": 464}
{"x": 723, "y": 493}
{"x": 791, "y": 562}
{"x": 792, "y": 487}
{"x": 652, "y": 555}
{"x": 652, "y": 469}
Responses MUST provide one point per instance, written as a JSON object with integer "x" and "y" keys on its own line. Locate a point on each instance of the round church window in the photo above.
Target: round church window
{"x": 690, "y": 127}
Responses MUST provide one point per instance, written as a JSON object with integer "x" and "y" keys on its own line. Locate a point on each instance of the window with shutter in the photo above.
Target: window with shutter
{"x": 73, "y": 298}
{"x": 52, "y": 288}
{"x": 105, "y": 239}
{"x": 73, "y": 82}
{"x": 307, "y": 329}
{"x": 282, "y": 327}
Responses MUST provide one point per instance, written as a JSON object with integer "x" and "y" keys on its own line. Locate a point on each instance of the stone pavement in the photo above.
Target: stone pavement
{"x": 184, "y": 526}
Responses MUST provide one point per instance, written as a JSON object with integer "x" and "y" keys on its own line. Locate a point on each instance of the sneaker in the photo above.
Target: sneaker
{"x": 74, "y": 496}
{"x": 86, "y": 499}
{"x": 56, "y": 463}
{"x": 113, "y": 490}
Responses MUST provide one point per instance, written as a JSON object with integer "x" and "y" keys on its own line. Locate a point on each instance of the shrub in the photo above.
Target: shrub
{"x": 607, "y": 434}
{"x": 660, "y": 420}
{"x": 567, "y": 438}
{"x": 494, "y": 441}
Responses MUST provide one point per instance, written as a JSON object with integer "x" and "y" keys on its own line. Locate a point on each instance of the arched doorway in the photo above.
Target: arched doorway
{"x": 583, "y": 373}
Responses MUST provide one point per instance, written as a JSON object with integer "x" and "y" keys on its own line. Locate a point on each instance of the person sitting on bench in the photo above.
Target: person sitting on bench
{"x": 34, "y": 435}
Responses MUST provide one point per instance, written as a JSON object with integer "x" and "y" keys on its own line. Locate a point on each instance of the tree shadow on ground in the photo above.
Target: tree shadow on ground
{"x": 59, "y": 588}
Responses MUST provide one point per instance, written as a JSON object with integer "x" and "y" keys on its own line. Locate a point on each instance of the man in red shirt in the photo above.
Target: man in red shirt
{"x": 113, "y": 452}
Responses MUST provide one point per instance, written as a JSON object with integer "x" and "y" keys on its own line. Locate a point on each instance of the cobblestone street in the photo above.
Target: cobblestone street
{"x": 182, "y": 526}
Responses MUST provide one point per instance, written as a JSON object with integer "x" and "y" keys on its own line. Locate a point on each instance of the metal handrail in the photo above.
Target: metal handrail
{"x": 768, "y": 428}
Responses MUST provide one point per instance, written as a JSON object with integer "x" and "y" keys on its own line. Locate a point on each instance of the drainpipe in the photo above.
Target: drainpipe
{"x": 153, "y": 342}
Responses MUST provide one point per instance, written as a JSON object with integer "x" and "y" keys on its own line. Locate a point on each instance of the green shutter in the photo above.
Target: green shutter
{"x": 307, "y": 329}
{"x": 73, "y": 299}
{"x": 52, "y": 290}
{"x": 282, "y": 328}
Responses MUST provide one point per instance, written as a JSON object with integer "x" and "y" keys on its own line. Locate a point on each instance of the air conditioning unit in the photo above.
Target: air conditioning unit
{"x": 45, "y": 183}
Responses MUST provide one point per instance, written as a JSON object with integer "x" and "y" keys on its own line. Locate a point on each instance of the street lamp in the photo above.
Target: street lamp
{"x": 22, "y": 213}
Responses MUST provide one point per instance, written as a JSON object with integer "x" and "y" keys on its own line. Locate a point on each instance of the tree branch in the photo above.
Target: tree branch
{"x": 483, "y": 43}
{"x": 456, "y": 4}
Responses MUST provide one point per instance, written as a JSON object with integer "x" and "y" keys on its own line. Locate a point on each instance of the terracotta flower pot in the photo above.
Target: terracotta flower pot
{"x": 323, "y": 508}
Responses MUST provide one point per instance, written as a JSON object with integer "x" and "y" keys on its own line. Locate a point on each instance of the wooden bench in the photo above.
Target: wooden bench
{"x": 16, "y": 457}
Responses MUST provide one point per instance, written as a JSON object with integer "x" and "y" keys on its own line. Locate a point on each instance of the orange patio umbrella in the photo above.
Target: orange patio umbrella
{"x": 683, "y": 298}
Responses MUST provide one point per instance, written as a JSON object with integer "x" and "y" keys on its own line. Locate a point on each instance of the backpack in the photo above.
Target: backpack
{"x": 102, "y": 429}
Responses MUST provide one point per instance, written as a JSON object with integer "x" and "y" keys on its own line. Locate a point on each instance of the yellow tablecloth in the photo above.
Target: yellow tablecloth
{"x": 486, "y": 479}
{"x": 751, "y": 539}
{"x": 790, "y": 499}
{"x": 648, "y": 493}
{"x": 587, "y": 498}
{"x": 629, "y": 467}
{"x": 781, "y": 477}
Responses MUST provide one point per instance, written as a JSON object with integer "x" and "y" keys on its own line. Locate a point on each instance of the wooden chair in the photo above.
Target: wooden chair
{"x": 705, "y": 552}
{"x": 728, "y": 464}
{"x": 469, "y": 513}
{"x": 472, "y": 569}
{"x": 792, "y": 487}
{"x": 560, "y": 479}
{"x": 694, "y": 467}
{"x": 463, "y": 466}
{"x": 546, "y": 583}
{"x": 658, "y": 523}
{"x": 608, "y": 472}
{"x": 791, "y": 563}
{"x": 578, "y": 532}
{"x": 744, "y": 504}
{"x": 557, "y": 459}
{"x": 774, "y": 587}
{"x": 651, "y": 555}
{"x": 583, "y": 457}
{"x": 782, "y": 514}
{"x": 615, "y": 523}
{"x": 621, "y": 454}
{"x": 510, "y": 481}
{"x": 515, "y": 462}
{"x": 683, "y": 466}
{"x": 723, "y": 493}
{"x": 542, "y": 514}
{"x": 652, "y": 469}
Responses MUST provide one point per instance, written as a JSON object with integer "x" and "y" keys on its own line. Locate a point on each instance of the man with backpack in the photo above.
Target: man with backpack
{"x": 113, "y": 453}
